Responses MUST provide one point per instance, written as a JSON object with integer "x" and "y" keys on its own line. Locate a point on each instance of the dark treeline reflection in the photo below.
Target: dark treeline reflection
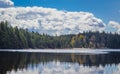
{"x": 9, "y": 60}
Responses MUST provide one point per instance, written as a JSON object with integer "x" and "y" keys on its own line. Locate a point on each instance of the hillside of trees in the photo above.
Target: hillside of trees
{"x": 17, "y": 38}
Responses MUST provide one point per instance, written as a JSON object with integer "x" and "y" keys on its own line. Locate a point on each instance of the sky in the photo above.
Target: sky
{"x": 62, "y": 16}
{"x": 104, "y": 9}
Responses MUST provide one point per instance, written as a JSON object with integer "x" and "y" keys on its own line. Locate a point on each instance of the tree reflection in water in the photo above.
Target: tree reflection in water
{"x": 46, "y": 63}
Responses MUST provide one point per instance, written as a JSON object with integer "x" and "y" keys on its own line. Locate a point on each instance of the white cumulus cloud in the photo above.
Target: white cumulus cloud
{"x": 113, "y": 27}
{"x": 114, "y": 24}
{"x": 50, "y": 20}
{"x": 6, "y": 3}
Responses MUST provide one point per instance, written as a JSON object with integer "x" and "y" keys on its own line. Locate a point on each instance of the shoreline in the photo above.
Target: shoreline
{"x": 85, "y": 51}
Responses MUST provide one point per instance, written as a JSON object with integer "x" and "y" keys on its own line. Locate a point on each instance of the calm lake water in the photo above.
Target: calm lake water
{"x": 60, "y": 62}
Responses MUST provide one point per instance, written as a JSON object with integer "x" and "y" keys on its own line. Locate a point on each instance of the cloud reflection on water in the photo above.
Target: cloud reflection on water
{"x": 56, "y": 67}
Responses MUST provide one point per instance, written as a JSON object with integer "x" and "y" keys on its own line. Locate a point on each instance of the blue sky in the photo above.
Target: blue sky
{"x": 55, "y": 20}
{"x": 105, "y": 9}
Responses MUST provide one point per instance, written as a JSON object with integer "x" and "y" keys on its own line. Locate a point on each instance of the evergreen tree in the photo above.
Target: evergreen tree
{"x": 17, "y": 38}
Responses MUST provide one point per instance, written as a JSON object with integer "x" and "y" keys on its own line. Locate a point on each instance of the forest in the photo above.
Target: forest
{"x": 18, "y": 38}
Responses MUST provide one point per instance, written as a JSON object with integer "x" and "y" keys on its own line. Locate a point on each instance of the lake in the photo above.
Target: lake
{"x": 60, "y": 61}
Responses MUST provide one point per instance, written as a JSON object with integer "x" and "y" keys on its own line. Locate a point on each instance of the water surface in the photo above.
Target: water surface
{"x": 60, "y": 61}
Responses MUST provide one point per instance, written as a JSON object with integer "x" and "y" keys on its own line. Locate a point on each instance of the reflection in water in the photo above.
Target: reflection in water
{"x": 46, "y": 63}
{"x": 67, "y": 68}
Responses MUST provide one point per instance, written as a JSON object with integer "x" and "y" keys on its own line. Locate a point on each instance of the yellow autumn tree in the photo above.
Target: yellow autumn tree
{"x": 72, "y": 41}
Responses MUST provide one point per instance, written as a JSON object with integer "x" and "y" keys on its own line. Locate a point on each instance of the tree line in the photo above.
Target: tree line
{"x": 18, "y": 38}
